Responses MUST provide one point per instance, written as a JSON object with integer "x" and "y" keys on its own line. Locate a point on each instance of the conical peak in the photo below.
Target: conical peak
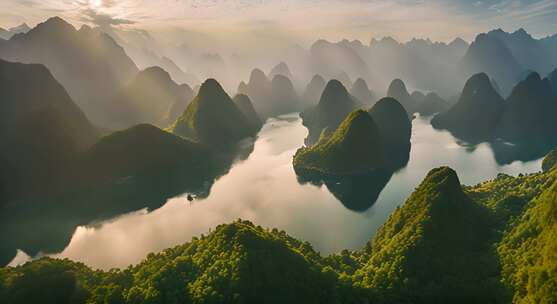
{"x": 257, "y": 75}
{"x": 334, "y": 90}
{"x": 442, "y": 177}
{"x": 211, "y": 89}
{"x": 360, "y": 84}
{"x": 282, "y": 81}
{"x": 477, "y": 83}
{"x": 242, "y": 99}
{"x": 397, "y": 85}
{"x": 390, "y": 104}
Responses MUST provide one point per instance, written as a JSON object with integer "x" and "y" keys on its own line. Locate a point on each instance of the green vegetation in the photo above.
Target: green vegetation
{"x": 493, "y": 242}
{"x": 213, "y": 118}
{"x": 353, "y": 148}
{"x": 436, "y": 248}
{"x": 333, "y": 107}
{"x": 550, "y": 161}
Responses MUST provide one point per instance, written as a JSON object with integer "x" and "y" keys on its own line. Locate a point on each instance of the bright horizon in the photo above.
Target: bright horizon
{"x": 288, "y": 20}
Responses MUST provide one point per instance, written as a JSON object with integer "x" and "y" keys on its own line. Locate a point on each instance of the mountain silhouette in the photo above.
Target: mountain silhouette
{"x": 313, "y": 91}
{"x": 361, "y": 91}
{"x": 530, "y": 112}
{"x": 42, "y": 130}
{"x": 477, "y": 112}
{"x": 281, "y": 69}
{"x": 488, "y": 54}
{"x": 67, "y": 53}
{"x": 212, "y": 118}
{"x": 151, "y": 97}
{"x": 397, "y": 90}
{"x": 395, "y": 130}
{"x": 333, "y": 107}
{"x": 246, "y": 107}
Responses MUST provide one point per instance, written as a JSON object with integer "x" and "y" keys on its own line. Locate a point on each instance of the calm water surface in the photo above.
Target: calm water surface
{"x": 264, "y": 189}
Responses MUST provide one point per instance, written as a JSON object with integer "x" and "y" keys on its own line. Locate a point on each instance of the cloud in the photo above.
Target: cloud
{"x": 103, "y": 20}
{"x": 333, "y": 19}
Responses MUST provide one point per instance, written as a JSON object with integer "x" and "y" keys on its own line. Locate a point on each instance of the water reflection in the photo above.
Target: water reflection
{"x": 48, "y": 225}
{"x": 264, "y": 189}
{"x": 356, "y": 192}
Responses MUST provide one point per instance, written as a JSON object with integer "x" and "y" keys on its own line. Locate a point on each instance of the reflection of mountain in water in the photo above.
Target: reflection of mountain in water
{"x": 506, "y": 153}
{"x": 48, "y": 225}
{"x": 357, "y": 192}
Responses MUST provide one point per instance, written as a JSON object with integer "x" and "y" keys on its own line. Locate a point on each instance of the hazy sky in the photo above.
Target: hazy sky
{"x": 300, "y": 20}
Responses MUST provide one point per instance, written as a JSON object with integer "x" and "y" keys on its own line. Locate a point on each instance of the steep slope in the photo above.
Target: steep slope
{"x": 487, "y": 54}
{"x": 41, "y": 130}
{"x": 553, "y": 80}
{"x": 397, "y": 90}
{"x": 395, "y": 129}
{"x": 283, "y": 97}
{"x": 246, "y": 107}
{"x": 529, "y": 114}
{"x": 334, "y": 105}
{"x": 361, "y": 91}
{"x": 434, "y": 249}
{"x": 532, "y": 54}
{"x": 528, "y": 251}
{"x": 550, "y": 161}
{"x": 313, "y": 91}
{"x": 213, "y": 118}
{"x": 67, "y": 52}
{"x": 281, "y": 69}
{"x": 477, "y": 112}
{"x": 270, "y": 97}
{"x": 354, "y": 148}
{"x": 152, "y": 97}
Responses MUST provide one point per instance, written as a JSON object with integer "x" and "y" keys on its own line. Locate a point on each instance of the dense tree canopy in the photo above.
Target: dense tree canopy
{"x": 489, "y": 243}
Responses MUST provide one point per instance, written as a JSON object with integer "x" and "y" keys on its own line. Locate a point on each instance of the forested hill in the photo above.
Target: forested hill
{"x": 489, "y": 243}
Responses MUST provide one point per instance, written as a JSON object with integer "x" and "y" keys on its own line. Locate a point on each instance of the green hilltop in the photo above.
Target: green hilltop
{"x": 333, "y": 107}
{"x": 213, "y": 118}
{"x": 355, "y": 147}
{"x": 550, "y": 160}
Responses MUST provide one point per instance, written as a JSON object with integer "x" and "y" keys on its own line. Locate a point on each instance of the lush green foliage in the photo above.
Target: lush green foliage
{"x": 493, "y": 242}
{"x": 354, "y": 147}
{"x": 529, "y": 251}
{"x": 213, "y": 118}
{"x": 333, "y": 107}
{"x": 550, "y": 161}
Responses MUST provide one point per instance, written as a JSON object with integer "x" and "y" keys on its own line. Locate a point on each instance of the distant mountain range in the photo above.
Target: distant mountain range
{"x": 509, "y": 57}
{"x": 525, "y": 120}
{"x": 7, "y": 34}
{"x": 91, "y": 66}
